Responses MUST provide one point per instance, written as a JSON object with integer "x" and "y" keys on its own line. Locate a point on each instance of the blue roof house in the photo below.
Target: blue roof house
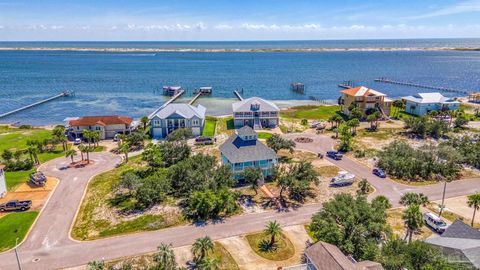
{"x": 423, "y": 103}
{"x": 243, "y": 150}
{"x": 173, "y": 116}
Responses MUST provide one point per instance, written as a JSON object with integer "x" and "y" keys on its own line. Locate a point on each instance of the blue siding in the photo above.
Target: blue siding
{"x": 423, "y": 108}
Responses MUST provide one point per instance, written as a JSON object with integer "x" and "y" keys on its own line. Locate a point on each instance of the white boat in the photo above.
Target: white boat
{"x": 343, "y": 179}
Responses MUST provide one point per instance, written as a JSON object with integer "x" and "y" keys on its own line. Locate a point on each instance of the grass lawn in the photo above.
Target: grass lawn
{"x": 210, "y": 124}
{"x": 15, "y": 225}
{"x": 327, "y": 171}
{"x": 89, "y": 225}
{"x": 284, "y": 247}
{"x": 225, "y": 125}
{"x": 224, "y": 258}
{"x": 15, "y": 178}
{"x": 15, "y": 139}
{"x": 264, "y": 135}
{"x": 310, "y": 112}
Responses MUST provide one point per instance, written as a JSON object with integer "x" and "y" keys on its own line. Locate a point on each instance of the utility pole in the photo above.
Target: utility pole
{"x": 16, "y": 254}
{"x": 442, "y": 206}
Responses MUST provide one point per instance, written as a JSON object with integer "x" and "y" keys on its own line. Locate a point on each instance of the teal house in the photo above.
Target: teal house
{"x": 243, "y": 150}
{"x": 423, "y": 103}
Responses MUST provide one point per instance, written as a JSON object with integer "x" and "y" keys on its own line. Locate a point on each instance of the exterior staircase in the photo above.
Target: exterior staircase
{"x": 257, "y": 124}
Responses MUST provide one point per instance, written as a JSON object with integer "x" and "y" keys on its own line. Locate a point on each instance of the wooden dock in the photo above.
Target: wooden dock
{"x": 195, "y": 98}
{"x": 167, "y": 102}
{"x": 346, "y": 85}
{"x": 62, "y": 94}
{"x": 446, "y": 89}
{"x": 237, "y": 94}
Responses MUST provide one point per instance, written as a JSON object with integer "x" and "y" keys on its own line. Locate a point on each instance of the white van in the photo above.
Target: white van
{"x": 435, "y": 222}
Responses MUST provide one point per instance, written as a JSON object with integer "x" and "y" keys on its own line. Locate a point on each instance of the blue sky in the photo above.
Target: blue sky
{"x": 237, "y": 20}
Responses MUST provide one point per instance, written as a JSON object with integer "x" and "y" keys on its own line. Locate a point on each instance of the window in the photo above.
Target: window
{"x": 195, "y": 122}
{"x": 97, "y": 128}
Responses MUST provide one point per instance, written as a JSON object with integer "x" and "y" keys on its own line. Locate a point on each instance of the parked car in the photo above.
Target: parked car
{"x": 434, "y": 222}
{"x": 15, "y": 205}
{"x": 379, "y": 172}
{"x": 315, "y": 124}
{"x": 343, "y": 179}
{"x": 204, "y": 140}
{"x": 38, "y": 179}
{"x": 77, "y": 141}
{"x": 334, "y": 155}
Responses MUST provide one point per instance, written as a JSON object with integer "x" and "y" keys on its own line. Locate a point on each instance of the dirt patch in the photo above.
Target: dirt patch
{"x": 26, "y": 191}
{"x": 394, "y": 219}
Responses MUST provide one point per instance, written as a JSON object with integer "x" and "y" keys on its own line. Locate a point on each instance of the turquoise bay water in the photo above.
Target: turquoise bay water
{"x": 126, "y": 83}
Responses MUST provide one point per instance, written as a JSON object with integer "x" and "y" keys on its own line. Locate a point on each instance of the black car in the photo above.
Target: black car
{"x": 204, "y": 140}
{"x": 379, "y": 172}
{"x": 334, "y": 155}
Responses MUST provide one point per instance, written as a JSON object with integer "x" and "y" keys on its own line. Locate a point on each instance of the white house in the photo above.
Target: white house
{"x": 423, "y": 103}
{"x": 256, "y": 113}
{"x": 174, "y": 116}
{"x": 3, "y": 183}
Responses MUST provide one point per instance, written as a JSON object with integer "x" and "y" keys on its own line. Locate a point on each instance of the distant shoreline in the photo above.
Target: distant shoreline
{"x": 220, "y": 50}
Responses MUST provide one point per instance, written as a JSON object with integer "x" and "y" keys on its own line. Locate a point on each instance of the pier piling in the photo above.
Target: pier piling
{"x": 446, "y": 89}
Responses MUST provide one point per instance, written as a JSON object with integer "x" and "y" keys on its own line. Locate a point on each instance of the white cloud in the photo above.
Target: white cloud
{"x": 462, "y": 7}
{"x": 223, "y": 27}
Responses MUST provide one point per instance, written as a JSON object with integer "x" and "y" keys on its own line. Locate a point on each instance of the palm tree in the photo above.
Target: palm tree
{"x": 273, "y": 230}
{"x": 209, "y": 264}
{"x": 412, "y": 218}
{"x": 33, "y": 152}
{"x": 201, "y": 247}
{"x": 165, "y": 257}
{"x": 353, "y": 124}
{"x": 95, "y": 137}
{"x": 70, "y": 153}
{"x": 144, "y": 120}
{"x": 363, "y": 186}
{"x": 85, "y": 149}
{"x": 88, "y": 134}
{"x": 474, "y": 201}
{"x": 125, "y": 148}
{"x": 411, "y": 198}
{"x": 96, "y": 265}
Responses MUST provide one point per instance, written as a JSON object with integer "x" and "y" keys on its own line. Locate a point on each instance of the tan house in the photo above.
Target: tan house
{"x": 365, "y": 98}
{"x": 108, "y": 126}
{"x": 324, "y": 256}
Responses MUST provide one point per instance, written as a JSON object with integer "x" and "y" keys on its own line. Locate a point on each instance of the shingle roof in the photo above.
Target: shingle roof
{"x": 362, "y": 91}
{"x": 246, "y": 131}
{"x": 237, "y": 150}
{"x": 246, "y": 105}
{"x": 429, "y": 98}
{"x": 458, "y": 229}
{"x": 462, "y": 238}
{"x": 326, "y": 256}
{"x": 101, "y": 120}
{"x": 185, "y": 110}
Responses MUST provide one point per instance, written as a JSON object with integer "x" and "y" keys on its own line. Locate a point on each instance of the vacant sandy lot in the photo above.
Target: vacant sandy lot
{"x": 247, "y": 259}
{"x": 458, "y": 205}
{"x": 38, "y": 195}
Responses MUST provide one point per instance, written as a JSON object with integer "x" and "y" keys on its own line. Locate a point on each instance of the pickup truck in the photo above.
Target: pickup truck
{"x": 15, "y": 205}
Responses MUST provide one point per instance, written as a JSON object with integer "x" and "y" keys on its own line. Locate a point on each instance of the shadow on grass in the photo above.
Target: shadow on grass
{"x": 267, "y": 246}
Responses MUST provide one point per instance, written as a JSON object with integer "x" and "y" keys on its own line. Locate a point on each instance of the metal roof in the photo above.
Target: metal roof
{"x": 246, "y": 105}
{"x": 429, "y": 98}
{"x": 185, "y": 110}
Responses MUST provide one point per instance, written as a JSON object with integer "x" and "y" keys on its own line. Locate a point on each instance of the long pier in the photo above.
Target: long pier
{"x": 237, "y": 94}
{"x": 446, "y": 89}
{"x": 172, "y": 99}
{"x": 195, "y": 98}
{"x": 62, "y": 94}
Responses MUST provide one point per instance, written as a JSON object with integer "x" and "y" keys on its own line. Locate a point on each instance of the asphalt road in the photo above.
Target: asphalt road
{"x": 48, "y": 246}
